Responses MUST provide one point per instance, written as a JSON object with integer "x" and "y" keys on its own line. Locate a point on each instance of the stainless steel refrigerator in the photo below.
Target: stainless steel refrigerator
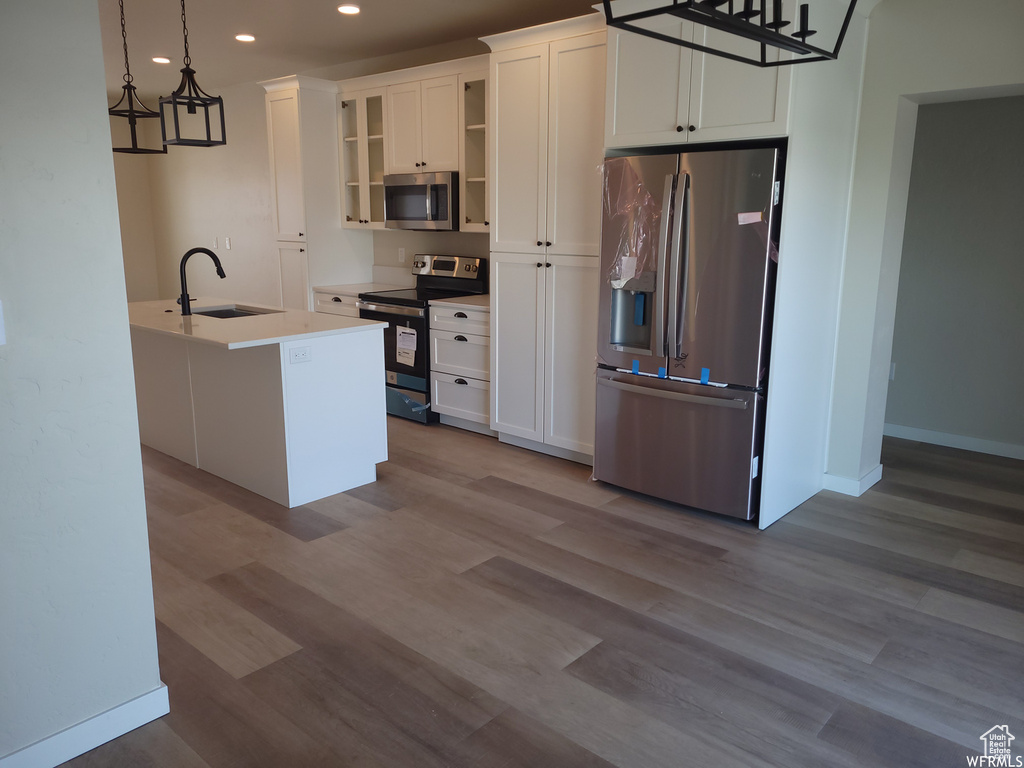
{"x": 687, "y": 280}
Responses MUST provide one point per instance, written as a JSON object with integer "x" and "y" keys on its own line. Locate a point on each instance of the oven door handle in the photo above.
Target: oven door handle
{"x": 391, "y": 309}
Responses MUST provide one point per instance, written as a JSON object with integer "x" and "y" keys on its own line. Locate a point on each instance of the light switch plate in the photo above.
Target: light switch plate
{"x": 3, "y": 334}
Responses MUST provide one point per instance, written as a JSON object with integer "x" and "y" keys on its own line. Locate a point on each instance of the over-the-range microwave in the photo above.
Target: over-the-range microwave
{"x": 421, "y": 200}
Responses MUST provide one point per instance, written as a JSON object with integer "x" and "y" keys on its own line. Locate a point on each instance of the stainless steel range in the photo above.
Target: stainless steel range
{"x": 407, "y": 337}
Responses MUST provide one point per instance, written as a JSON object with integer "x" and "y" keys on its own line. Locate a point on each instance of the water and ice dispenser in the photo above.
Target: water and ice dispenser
{"x": 632, "y": 313}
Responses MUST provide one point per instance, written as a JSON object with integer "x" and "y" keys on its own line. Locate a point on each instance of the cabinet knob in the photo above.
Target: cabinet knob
{"x": 302, "y": 234}
{"x": 461, "y": 338}
{"x": 462, "y": 381}
{"x": 461, "y": 315}
{"x": 302, "y": 250}
{"x": 539, "y": 243}
{"x": 693, "y": 128}
{"x": 539, "y": 265}
{"x": 548, "y": 243}
{"x": 487, "y": 223}
{"x": 548, "y": 265}
{"x": 679, "y": 129}
{"x": 424, "y": 165}
{"x": 418, "y": 165}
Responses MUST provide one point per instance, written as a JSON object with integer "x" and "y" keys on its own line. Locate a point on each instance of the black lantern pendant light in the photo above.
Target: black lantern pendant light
{"x": 130, "y": 106}
{"x": 190, "y": 116}
{"x": 752, "y": 19}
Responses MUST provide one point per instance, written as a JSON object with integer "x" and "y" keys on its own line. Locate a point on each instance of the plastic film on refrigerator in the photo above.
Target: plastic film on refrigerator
{"x": 632, "y": 211}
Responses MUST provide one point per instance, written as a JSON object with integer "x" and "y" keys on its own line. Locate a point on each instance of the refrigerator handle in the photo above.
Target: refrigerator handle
{"x": 677, "y": 262}
{"x": 717, "y": 402}
{"x": 659, "y": 348}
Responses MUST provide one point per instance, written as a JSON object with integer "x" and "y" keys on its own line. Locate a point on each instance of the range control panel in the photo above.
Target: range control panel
{"x": 438, "y": 265}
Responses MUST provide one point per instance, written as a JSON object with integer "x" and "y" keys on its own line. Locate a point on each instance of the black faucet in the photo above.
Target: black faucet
{"x": 185, "y": 308}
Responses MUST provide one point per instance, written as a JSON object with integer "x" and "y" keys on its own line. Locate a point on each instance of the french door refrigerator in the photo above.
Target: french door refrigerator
{"x": 687, "y": 275}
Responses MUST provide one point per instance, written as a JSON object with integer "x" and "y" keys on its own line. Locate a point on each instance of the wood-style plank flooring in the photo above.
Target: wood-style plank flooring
{"x": 482, "y": 605}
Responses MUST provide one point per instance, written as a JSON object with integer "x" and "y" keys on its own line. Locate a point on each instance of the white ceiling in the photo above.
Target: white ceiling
{"x": 295, "y": 36}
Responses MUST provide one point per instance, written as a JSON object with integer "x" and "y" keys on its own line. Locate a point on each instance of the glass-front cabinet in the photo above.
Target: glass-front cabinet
{"x": 361, "y": 147}
{"x": 473, "y": 146}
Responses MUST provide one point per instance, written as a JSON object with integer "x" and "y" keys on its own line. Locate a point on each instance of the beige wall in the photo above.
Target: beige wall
{"x": 919, "y": 51}
{"x": 135, "y": 211}
{"x": 959, "y": 312}
{"x": 202, "y": 193}
{"x": 77, "y": 633}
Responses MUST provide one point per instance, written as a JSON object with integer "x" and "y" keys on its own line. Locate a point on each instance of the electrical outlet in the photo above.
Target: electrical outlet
{"x": 300, "y": 355}
{"x": 227, "y": 243}
{"x": 892, "y": 371}
{"x": 401, "y": 255}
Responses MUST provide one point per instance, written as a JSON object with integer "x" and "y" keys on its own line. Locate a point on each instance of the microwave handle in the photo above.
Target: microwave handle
{"x": 429, "y": 218}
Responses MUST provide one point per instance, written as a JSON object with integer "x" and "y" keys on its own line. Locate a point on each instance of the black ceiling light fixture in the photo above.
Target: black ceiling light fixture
{"x": 190, "y": 116}
{"x": 130, "y": 106}
{"x": 750, "y": 19}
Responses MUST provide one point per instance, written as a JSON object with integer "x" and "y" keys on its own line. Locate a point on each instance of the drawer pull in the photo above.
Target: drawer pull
{"x": 335, "y": 298}
{"x": 462, "y": 381}
{"x": 461, "y": 315}
{"x": 461, "y": 338}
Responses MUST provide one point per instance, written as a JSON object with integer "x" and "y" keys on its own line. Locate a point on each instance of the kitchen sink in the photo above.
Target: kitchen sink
{"x": 234, "y": 311}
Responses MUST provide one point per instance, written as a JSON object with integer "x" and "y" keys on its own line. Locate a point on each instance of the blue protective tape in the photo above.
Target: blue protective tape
{"x": 662, "y": 373}
{"x": 636, "y": 366}
{"x": 705, "y": 375}
{"x": 638, "y": 309}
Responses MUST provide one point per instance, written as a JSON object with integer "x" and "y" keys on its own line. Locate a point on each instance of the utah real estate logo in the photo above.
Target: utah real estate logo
{"x": 997, "y": 750}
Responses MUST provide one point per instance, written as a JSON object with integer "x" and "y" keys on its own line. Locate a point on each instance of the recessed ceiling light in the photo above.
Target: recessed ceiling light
{"x": 161, "y": 60}
{"x": 348, "y": 8}
{"x": 244, "y": 38}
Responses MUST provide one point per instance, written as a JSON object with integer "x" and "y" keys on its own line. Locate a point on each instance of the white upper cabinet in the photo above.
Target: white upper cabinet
{"x": 423, "y": 125}
{"x": 547, "y": 106}
{"x": 286, "y": 164}
{"x": 662, "y": 93}
{"x": 575, "y": 149}
{"x": 648, "y": 85}
{"x": 361, "y": 146}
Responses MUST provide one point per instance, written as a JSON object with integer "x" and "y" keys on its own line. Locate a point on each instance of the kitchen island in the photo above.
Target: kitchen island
{"x": 287, "y": 403}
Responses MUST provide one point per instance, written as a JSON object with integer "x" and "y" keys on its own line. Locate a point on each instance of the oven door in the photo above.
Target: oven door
{"x": 406, "y": 346}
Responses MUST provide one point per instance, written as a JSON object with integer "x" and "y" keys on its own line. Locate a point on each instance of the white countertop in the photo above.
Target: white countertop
{"x": 479, "y": 300}
{"x": 357, "y": 288}
{"x": 276, "y": 326}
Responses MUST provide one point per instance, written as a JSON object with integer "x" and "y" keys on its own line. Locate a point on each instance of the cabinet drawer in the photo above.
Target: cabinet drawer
{"x": 461, "y": 396}
{"x": 335, "y": 304}
{"x": 460, "y": 320}
{"x": 460, "y": 354}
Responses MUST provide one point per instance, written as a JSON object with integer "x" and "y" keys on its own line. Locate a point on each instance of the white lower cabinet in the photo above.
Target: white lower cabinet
{"x": 336, "y": 303}
{"x": 460, "y": 359}
{"x": 294, "y": 276}
{"x": 543, "y": 347}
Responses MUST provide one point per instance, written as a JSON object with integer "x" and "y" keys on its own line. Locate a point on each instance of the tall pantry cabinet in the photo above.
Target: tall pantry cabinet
{"x": 302, "y": 138}
{"x": 547, "y": 136}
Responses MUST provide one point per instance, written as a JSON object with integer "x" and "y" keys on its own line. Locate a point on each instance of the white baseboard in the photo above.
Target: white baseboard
{"x": 991, "y": 447}
{"x": 89, "y": 734}
{"x": 849, "y": 486}
{"x": 550, "y": 450}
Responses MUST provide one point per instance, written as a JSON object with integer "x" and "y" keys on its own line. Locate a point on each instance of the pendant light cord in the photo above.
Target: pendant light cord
{"x": 184, "y": 31}
{"x": 124, "y": 39}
